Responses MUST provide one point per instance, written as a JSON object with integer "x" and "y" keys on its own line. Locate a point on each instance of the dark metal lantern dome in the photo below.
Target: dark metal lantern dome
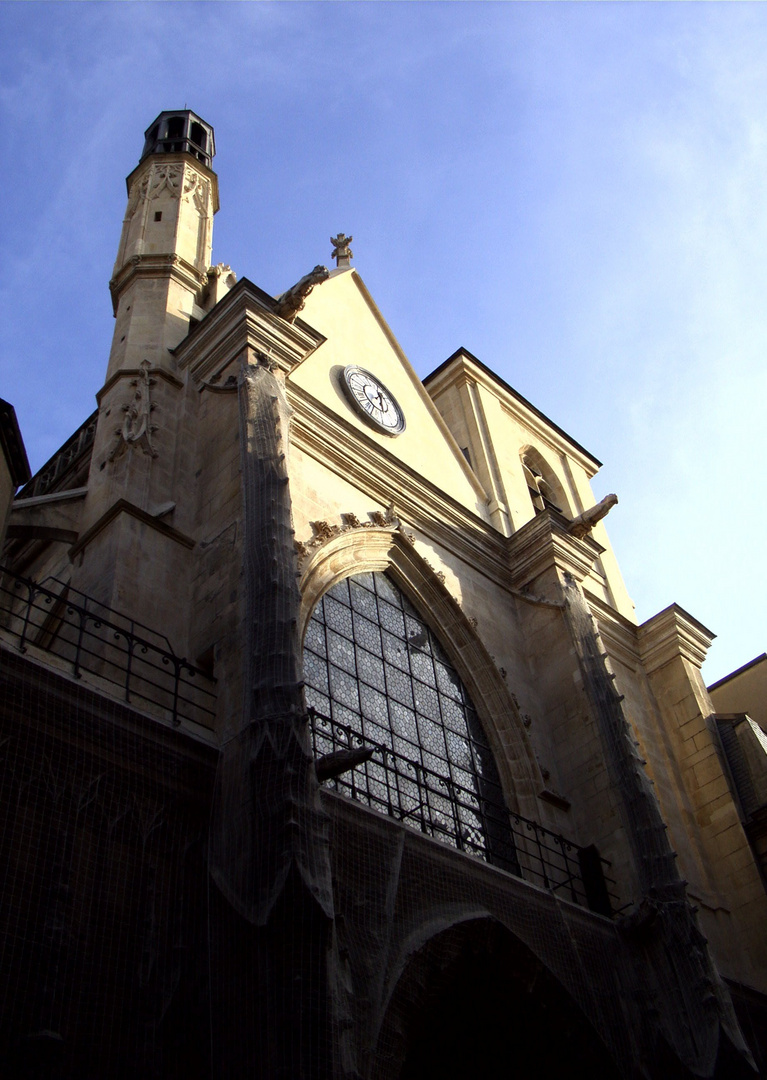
{"x": 180, "y": 132}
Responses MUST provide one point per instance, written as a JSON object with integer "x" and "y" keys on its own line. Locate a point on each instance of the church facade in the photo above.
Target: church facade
{"x": 332, "y": 746}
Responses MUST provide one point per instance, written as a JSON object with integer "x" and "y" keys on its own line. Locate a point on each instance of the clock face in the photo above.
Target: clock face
{"x": 373, "y": 401}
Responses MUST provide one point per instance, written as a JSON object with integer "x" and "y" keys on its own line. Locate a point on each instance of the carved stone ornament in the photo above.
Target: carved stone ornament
{"x": 196, "y": 189}
{"x": 137, "y": 430}
{"x": 293, "y": 301}
{"x": 324, "y": 531}
{"x": 167, "y": 177}
{"x": 138, "y": 192}
{"x": 439, "y": 574}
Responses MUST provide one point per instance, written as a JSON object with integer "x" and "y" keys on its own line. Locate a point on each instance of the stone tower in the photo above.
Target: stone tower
{"x": 164, "y": 254}
{"x": 161, "y": 285}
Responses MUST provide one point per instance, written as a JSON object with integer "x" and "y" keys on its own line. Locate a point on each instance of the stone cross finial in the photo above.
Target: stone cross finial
{"x": 342, "y": 253}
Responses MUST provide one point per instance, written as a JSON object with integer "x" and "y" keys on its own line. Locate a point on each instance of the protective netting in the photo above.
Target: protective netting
{"x": 271, "y": 904}
{"x": 118, "y": 962}
{"x": 103, "y": 928}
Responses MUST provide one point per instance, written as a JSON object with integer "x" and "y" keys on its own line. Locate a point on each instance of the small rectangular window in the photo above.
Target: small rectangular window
{"x": 158, "y": 215}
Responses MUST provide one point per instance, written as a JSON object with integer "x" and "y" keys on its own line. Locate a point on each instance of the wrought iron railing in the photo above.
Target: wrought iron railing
{"x": 114, "y": 652}
{"x": 65, "y": 458}
{"x": 438, "y": 806}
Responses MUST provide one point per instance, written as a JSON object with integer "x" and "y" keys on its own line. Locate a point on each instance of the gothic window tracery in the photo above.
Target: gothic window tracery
{"x": 376, "y": 675}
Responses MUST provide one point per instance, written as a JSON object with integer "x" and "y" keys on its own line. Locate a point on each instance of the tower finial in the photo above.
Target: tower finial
{"x": 342, "y": 253}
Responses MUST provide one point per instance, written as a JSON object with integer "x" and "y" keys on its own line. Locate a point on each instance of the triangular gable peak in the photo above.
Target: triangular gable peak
{"x": 498, "y": 428}
{"x": 356, "y": 334}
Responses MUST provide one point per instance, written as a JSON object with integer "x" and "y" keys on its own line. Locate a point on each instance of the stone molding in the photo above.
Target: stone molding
{"x": 463, "y": 369}
{"x": 122, "y": 506}
{"x": 245, "y": 318}
{"x": 544, "y": 544}
{"x": 618, "y": 633}
{"x": 135, "y": 373}
{"x": 673, "y": 633}
{"x": 21, "y": 503}
{"x": 47, "y": 517}
{"x": 167, "y": 265}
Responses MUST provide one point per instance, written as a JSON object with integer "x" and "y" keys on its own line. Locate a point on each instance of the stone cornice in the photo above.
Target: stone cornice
{"x": 47, "y": 517}
{"x": 168, "y": 265}
{"x": 543, "y": 544}
{"x": 49, "y": 500}
{"x": 135, "y": 373}
{"x": 463, "y": 368}
{"x": 245, "y": 318}
{"x": 122, "y": 506}
{"x": 670, "y": 634}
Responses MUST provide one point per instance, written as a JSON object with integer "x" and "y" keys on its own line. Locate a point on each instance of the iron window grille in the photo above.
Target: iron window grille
{"x": 376, "y": 676}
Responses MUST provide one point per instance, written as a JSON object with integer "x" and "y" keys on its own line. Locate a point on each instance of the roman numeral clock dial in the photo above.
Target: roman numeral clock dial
{"x": 373, "y": 401}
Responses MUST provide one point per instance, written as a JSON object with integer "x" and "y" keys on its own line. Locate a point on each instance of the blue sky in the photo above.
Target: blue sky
{"x": 576, "y": 193}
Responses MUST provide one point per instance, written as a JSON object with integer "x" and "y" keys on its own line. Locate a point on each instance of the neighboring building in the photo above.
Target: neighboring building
{"x": 274, "y": 559}
{"x": 740, "y": 700}
{"x": 14, "y": 467}
{"x": 744, "y": 691}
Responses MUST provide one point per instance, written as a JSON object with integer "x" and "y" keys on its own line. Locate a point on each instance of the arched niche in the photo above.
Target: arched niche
{"x": 543, "y": 483}
{"x": 385, "y": 549}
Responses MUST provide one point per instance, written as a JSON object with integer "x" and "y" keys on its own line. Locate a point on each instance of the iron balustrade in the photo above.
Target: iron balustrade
{"x": 114, "y": 649}
{"x": 435, "y": 804}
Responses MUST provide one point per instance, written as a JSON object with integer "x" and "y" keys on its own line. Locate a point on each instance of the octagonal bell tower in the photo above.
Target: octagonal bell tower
{"x": 165, "y": 247}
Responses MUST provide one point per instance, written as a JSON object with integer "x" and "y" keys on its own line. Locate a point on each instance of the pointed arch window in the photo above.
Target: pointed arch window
{"x": 542, "y": 490}
{"x": 377, "y": 676}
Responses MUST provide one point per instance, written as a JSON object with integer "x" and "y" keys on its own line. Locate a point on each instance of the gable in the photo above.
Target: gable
{"x": 356, "y": 334}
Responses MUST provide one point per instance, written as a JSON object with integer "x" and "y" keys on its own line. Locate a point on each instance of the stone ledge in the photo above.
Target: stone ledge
{"x": 545, "y": 543}
{"x": 122, "y": 506}
{"x": 673, "y": 633}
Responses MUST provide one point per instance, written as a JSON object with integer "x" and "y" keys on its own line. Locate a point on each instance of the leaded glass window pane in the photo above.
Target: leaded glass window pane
{"x": 376, "y": 674}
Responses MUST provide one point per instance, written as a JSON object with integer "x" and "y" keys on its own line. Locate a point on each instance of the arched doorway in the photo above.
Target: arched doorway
{"x": 475, "y": 1002}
